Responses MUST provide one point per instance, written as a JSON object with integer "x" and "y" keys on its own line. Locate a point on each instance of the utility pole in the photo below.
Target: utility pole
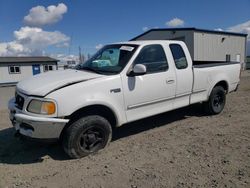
{"x": 81, "y": 57}
{"x": 70, "y": 44}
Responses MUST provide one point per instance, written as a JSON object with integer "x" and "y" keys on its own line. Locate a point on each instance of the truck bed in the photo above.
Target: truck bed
{"x": 207, "y": 74}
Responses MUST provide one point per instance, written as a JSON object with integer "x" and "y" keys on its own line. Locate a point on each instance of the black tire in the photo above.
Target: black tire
{"x": 216, "y": 101}
{"x": 86, "y": 135}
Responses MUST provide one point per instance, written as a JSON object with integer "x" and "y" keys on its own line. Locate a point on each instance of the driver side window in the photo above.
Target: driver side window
{"x": 153, "y": 57}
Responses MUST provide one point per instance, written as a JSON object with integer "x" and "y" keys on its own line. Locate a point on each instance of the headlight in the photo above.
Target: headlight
{"x": 41, "y": 107}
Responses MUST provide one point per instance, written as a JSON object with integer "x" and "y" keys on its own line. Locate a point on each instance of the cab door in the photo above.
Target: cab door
{"x": 184, "y": 74}
{"x": 153, "y": 92}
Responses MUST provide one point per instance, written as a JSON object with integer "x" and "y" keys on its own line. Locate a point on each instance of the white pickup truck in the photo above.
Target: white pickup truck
{"x": 121, "y": 83}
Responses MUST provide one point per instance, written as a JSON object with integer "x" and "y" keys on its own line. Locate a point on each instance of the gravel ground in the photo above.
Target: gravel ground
{"x": 182, "y": 148}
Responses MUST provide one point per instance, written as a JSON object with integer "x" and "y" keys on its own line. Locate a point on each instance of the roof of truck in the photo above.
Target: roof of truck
{"x": 191, "y": 29}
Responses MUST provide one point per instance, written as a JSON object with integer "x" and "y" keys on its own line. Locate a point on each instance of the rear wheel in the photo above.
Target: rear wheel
{"x": 86, "y": 135}
{"x": 217, "y": 101}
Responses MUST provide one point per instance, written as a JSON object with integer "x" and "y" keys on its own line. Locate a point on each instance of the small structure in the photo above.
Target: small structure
{"x": 204, "y": 45}
{"x": 14, "y": 69}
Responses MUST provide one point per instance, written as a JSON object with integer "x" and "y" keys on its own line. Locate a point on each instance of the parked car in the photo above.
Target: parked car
{"x": 121, "y": 83}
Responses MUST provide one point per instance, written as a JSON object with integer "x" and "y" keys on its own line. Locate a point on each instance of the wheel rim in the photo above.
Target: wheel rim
{"x": 218, "y": 101}
{"x": 91, "y": 139}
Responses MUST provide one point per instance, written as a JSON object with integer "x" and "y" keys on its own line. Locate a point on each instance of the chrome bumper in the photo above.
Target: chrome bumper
{"x": 35, "y": 127}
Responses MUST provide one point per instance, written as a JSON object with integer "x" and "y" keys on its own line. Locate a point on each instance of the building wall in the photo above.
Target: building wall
{"x": 26, "y": 71}
{"x": 204, "y": 46}
{"x": 212, "y": 47}
{"x": 6, "y": 77}
{"x": 55, "y": 67}
{"x": 170, "y": 35}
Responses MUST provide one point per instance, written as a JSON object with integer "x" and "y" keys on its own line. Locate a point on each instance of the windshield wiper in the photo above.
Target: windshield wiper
{"x": 108, "y": 71}
{"x": 90, "y": 69}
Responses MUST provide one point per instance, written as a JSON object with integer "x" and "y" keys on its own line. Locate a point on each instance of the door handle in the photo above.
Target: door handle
{"x": 169, "y": 81}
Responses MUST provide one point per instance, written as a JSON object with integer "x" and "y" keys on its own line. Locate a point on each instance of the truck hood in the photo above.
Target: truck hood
{"x": 42, "y": 84}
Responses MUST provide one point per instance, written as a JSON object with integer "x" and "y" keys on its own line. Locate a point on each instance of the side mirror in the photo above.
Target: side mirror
{"x": 138, "y": 70}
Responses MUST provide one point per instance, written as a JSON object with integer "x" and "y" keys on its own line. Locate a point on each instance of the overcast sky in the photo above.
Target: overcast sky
{"x": 58, "y": 28}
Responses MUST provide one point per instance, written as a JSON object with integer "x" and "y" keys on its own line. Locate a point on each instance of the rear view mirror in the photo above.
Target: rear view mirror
{"x": 138, "y": 70}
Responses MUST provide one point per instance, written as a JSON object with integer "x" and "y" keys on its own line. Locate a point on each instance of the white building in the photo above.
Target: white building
{"x": 204, "y": 45}
{"x": 14, "y": 69}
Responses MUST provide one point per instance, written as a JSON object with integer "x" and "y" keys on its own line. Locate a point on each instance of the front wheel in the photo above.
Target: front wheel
{"x": 217, "y": 101}
{"x": 86, "y": 135}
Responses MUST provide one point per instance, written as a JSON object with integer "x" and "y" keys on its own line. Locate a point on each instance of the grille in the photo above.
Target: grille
{"x": 19, "y": 102}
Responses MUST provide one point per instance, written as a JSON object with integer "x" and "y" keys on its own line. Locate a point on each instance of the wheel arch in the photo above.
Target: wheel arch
{"x": 222, "y": 83}
{"x": 95, "y": 109}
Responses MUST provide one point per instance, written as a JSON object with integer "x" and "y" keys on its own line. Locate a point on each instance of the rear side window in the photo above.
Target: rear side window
{"x": 153, "y": 57}
{"x": 179, "y": 56}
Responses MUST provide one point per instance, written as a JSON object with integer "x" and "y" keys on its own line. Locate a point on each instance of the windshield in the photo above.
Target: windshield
{"x": 111, "y": 59}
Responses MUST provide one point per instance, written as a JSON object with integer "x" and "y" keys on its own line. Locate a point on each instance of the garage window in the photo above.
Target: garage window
{"x": 14, "y": 70}
{"x": 48, "y": 68}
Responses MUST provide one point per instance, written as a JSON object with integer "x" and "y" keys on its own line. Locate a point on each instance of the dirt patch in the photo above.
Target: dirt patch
{"x": 182, "y": 148}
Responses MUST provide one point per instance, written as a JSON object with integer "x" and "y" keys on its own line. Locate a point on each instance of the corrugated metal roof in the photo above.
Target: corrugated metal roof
{"x": 27, "y": 59}
{"x": 191, "y": 29}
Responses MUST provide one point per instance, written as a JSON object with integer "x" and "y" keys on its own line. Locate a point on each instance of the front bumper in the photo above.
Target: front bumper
{"x": 35, "y": 127}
